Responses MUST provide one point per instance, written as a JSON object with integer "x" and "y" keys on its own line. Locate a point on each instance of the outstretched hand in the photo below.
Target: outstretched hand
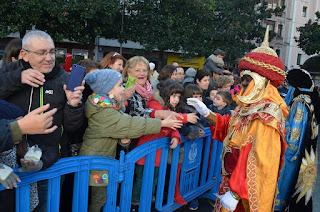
{"x": 37, "y": 123}
{"x": 174, "y": 143}
{"x": 199, "y": 106}
{"x": 171, "y": 122}
{"x": 192, "y": 118}
{"x": 8, "y": 177}
{"x": 30, "y": 165}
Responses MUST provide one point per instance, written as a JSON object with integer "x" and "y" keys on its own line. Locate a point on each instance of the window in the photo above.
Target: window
{"x": 299, "y": 57}
{"x": 278, "y": 52}
{"x": 80, "y": 53}
{"x": 271, "y": 24}
{"x": 304, "y": 11}
{"x": 61, "y": 52}
{"x": 279, "y": 34}
{"x": 272, "y": 4}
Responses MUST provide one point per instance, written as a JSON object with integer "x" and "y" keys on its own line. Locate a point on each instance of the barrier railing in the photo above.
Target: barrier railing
{"x": 199, "y": 175}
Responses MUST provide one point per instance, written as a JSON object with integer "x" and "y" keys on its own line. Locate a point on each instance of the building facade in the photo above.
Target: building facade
{"x": 297, "y": 13}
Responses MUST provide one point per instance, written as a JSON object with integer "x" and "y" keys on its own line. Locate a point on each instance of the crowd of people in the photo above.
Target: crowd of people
{"x": 269, "y": 154}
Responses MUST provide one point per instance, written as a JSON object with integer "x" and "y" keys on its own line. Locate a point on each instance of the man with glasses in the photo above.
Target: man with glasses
{"x": 33, "y": 81}
{"x": 180, "y": 74}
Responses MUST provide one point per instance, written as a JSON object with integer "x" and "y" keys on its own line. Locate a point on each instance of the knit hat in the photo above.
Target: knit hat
{"x": 9, "y": 111}
{"x": 264, "y": 61}
{"x": 191, "y": 72}
{"x": 102, "y": 81}
{"x": 152, "y": 66}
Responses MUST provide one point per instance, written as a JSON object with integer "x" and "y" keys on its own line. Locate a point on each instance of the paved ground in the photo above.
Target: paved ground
{"x": 205, "y": 205}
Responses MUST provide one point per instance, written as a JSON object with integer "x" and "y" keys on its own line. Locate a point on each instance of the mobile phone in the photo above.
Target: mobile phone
{"x": 130, "y": 82}
{"x": 76, "y": 77}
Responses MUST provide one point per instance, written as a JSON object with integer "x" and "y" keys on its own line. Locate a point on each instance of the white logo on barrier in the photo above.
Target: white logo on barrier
{"x": 193, "y": 152}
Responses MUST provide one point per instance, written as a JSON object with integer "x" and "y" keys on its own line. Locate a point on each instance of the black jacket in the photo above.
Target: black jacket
{"x": 12, "y": 90}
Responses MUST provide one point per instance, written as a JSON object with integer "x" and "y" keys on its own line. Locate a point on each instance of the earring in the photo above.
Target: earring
{"x": 111, "y": 96}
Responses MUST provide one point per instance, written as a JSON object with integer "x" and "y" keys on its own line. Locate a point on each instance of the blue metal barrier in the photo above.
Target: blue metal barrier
{"x": 197, "y": 177}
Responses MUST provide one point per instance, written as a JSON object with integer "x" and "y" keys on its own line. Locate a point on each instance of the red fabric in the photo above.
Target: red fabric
{"x": 231, "y": 159}
{"x": 177, "y": 195}
{"x": 165, "y": 131}
{"x": 68, "y": 62}
{"x": 220, "y": 130}
{"x": 157, "y": 106}
{"x": 238, "y": 182}
{"x": 275, "y": 78}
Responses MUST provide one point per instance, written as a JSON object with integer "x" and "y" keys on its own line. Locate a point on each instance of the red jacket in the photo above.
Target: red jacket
{"x": 165, "y": 131}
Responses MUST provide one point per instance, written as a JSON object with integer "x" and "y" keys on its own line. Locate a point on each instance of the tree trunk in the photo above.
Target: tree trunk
{"x": 91, "y": 47}
{"x": 23, "y": 32}
{"x": 160, "y": 61}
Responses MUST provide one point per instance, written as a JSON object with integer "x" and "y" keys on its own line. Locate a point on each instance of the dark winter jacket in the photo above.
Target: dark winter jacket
{"x": 226, "y": 110}
{"x": 13, "y": 91}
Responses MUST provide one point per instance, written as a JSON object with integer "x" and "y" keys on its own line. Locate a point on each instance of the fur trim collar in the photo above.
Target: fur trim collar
{"x": 218, "y": 62}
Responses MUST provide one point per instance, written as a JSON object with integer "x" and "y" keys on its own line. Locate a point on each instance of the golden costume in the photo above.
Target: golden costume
{"x": 254, "y": 138}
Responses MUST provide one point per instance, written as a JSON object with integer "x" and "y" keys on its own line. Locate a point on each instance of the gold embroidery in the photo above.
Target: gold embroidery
{"x": 252, "y": 191}
{"x": 307, "y": 176}
{"x": 295, "y": 134}
{"x": 298, "y": 116}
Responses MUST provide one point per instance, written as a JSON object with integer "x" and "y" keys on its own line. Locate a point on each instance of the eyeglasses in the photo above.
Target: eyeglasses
{"x": 43, "y": 53}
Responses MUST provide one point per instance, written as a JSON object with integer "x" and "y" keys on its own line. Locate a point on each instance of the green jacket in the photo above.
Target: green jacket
{"x": 106, "y": 126}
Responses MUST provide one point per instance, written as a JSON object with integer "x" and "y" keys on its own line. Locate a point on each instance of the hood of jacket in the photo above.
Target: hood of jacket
{"x": 218, "y": 62}
{"x": 156, "y": 96}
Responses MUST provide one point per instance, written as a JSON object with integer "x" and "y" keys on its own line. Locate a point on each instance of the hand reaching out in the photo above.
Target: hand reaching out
{"x": 192, "y": 118}
{"x": 201, "y": 133}
{"x": 171, "y": 122}
{"x": 174, "y": 143}
{"x": 8, "y": 177}
{"x": 37, "y": 123}
{"x": 199, "y": 106}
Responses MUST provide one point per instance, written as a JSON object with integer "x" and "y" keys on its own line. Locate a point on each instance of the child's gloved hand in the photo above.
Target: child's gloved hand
{"x": 8, "y": 177}
{"x": 30, "y": 166}
{"x": 174, "y": 143}
{"x": 199, "y": 106}
{"x": 31, "y": 161}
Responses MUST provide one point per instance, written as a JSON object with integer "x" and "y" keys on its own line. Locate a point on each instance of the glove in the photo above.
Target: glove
{"x": 228, "y": 201}
{"x": 8, "y": 177}
{"x": 31, "y": 160}
{"x": 34, "y": 154}
{"x": 199, "y": 106}
{"x": 30, "y": 166}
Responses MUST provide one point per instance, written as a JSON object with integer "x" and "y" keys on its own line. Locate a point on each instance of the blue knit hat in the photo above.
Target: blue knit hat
{"x": 102, "y": 81}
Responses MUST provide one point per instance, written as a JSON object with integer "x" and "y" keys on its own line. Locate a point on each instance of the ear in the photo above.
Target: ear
{"x": 24, "y": 55}
{"x": 13, "y": 59}
{"x": 197, "y": 81}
